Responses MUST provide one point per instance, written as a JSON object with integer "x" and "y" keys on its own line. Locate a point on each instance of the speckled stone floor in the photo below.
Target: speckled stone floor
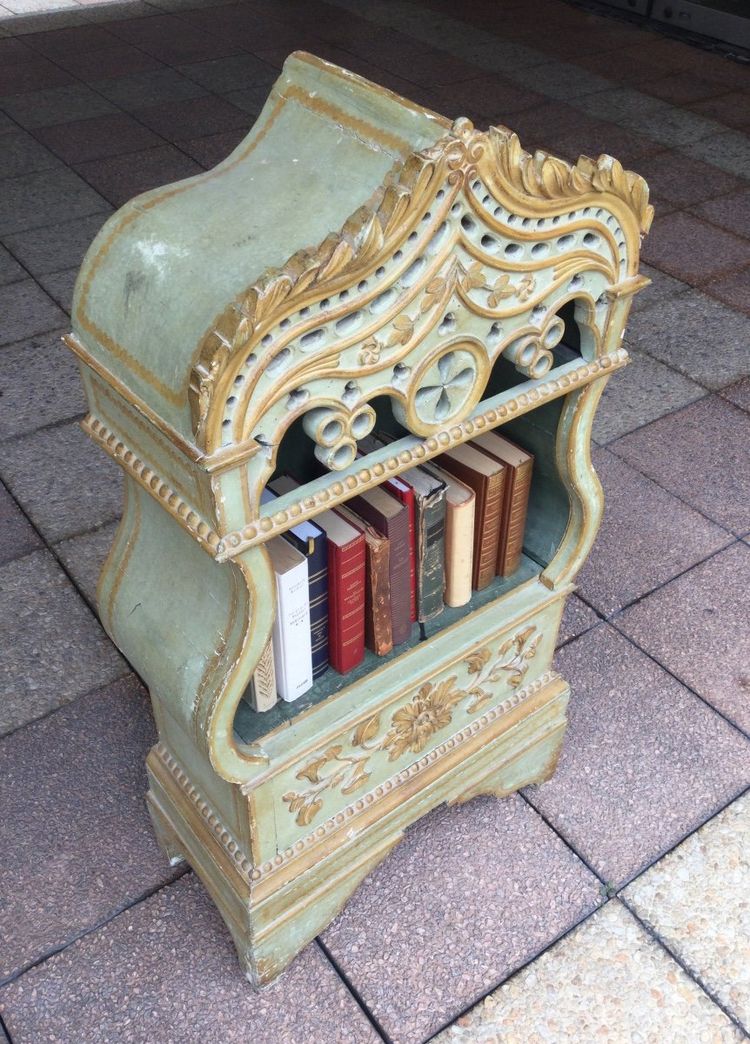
{"x": 610, "y": 904}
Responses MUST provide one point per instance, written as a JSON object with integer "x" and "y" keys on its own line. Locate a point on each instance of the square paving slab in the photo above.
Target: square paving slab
{"x": 41, "y": 385}
{"x": 698, "y": 627}
{"x": 708, "y": 463}
{"x": 606, "y": 981}
{"x": 76, "y": 838}
{"x": 64, "y": 482}
{"x": 647, "y": 537}
{"x": 471, "y": 893}
{"x": 166, "y": 971}
{"x": 53, "y": 647}
{"x": 17, "y": 536}
{"x": 697, "y": 900}
{"x": 644, "y": 760}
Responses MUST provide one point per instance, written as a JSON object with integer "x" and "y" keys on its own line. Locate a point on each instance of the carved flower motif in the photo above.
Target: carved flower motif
{"x": 429, "y": 711}
{"x": 369, "y": 353}
{"x": 403, "y": 328}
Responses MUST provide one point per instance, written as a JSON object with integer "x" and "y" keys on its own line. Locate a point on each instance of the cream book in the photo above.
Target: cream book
{"x": 460, "y": 502}
{"x": 292, "y": 651}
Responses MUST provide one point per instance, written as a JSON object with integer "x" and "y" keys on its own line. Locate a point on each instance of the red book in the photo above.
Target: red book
{"x": 346, "y": 585}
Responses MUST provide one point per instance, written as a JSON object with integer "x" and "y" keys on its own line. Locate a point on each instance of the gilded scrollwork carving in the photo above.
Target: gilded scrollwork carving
{"x": 532, "y": 353}
{"x": 412, "y": 725}
{"x": 265, "y": 346}
{"x": 336, "y": 431}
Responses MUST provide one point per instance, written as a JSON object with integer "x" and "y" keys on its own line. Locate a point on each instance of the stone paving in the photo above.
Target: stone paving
{"x": 612, "y": 903}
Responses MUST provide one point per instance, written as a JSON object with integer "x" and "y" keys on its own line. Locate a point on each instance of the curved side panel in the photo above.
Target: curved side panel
{"x": 182, "y": 619}
{"x": 573, "y": 453}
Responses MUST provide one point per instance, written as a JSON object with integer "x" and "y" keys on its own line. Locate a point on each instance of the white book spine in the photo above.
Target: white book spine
{"x": 291, "y": 633}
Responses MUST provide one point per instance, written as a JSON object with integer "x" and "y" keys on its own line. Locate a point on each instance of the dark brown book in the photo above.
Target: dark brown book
{"x": 487, "y": 478}
{"x": 391, "y": 518}
{"x": 519, "y": 465}
{"x": 378, "y": 629}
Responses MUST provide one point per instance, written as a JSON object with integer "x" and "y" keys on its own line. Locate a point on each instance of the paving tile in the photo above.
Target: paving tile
{"x": 470, "y": 894}
{"x": 59, "y": 286}
{"x": 26, "y": 310}
{"x": 607, "y": 980}
{"x": 683, "y": 181}
{"x": 732, "y": 109}
{"x": 214, "y": 148}
{"x": 707, "y": 462}
{"x": 193, "y": 118}
{"x": 151, "y": 980}
{"x": 10, "y": 270}
{"x": 429, "y": 68}
{"x": 106, "y": 63}
{"x": 663, "y": 288}
{"x": 577, "y": 617}
{"x": 692, "y": 250}
{"x": 77, "y": 840}
{"x": 249, "y": 99}
{"x": 63, "y": 481}
{"x": 118, "y": 181}
{"x": 140, "y": 90}
{"x": 732, "y": 289}
{"x": 738, "y": 393}
{"x": 228, "y": 74}
{"x": 23, "y": 154}
{"x": 60, "y": 43}
{"x": 730, "y": 212}
{"x": 495, "y": 97}
{"x": 730, "y": 151}
{"x": 110, "y": 135}
{"x": 696, "y": 627}
{"x": 683, "y": 88}
{"x": 645, "y": 761}
{"x": 41, "y": 385}
{"x": 17, "y": 536}
{"x": 645, "y": 390}
{"x": 29, "y": 72}
{"x": 656, "y": 119}
{"x": 696, "y": 900}
{"x": 58, "y": 246}
{"x": 53, "y": 648}
{"x": 173, "y": 40}
{"x": 647, "y": 537}
{"x": 42, "y": 198}
{"x": 55, "y": 105}
{"x": 83, "y": 556}
{"x": 684, "y": 333}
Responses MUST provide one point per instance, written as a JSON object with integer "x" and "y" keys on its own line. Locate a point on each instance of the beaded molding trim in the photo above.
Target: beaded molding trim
{"x": 456, "y": 740}
{"x": 270, "y": 525}
{"x": 232, "y": 847}
{"x": 146, "y": 477}
{"x": 223, "y": 836}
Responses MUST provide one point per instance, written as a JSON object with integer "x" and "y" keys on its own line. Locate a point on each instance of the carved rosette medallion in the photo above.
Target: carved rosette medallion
{"x": 346, "y": 766}
{"x": 445, "y": 388}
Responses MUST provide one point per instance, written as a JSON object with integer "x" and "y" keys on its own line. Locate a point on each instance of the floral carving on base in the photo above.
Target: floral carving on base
{"x": 412, "y": 725}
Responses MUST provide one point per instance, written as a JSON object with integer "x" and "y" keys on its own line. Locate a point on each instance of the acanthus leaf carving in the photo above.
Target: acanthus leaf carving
{"x": 413, "y": 724}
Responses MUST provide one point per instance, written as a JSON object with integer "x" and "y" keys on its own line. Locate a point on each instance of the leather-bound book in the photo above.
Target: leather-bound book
{"x": 261, "y": 693}
{"x": 378, "y": 629}
{"x": 310, "y": 540}
{"x": 401, "y": 489}
{"x": 291, "y": 629}
{"x": 487, "y": 478}
{"x": 346, "y": 585}
{"x": 429, "y": 503}
{"x": 519, "y": 466}
{"x": 460, "y": 502}
{"x": 391, "y": 518}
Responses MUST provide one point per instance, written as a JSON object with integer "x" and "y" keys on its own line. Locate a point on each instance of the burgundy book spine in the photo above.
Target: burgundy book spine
{"x": 346, "y": 604}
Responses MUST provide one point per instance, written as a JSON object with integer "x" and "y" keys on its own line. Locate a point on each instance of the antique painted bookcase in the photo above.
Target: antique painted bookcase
{"x": 357, "y": 260}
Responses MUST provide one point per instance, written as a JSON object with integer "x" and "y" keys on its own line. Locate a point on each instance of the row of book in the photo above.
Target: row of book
{"x": 360, "y": 576}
